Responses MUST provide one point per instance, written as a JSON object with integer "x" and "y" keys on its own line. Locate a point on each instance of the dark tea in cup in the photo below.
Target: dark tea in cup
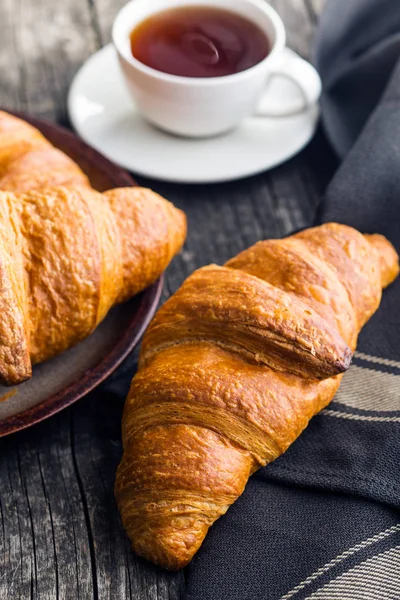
{"x": 199, "y": 41}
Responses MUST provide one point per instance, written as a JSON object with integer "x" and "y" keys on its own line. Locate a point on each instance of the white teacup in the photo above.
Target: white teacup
{"x": 201, "y": 107}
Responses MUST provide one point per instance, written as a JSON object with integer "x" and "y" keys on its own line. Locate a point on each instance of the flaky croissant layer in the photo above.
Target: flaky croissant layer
{"x": 232, "y": 369}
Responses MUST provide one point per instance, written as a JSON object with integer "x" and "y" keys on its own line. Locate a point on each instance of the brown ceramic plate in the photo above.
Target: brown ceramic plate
{"x": 61, "y": 381}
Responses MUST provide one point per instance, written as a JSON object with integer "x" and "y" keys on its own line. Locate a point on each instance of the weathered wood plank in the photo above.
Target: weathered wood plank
{"x": 104, "y": 13}
{"x": 42, "y": 45}
{"x": 60, "y": 534}
{"x": 44, "y": 531}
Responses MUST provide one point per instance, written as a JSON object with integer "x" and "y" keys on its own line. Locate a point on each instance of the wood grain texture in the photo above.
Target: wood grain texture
{"x": 42, "y": 46}
{"x": 60, "y": 533}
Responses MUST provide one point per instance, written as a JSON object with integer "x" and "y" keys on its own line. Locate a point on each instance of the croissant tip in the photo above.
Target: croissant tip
{"x": 344, "y": 362}
{"x": 16, "y": 376}
{"x": 169, "y": 550}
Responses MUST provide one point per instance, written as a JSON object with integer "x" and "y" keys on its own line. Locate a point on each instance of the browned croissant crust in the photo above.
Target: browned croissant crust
{"x": 29, "y": 161}
{"x": 67, "y": 255}
{"x": 232, "y": 369}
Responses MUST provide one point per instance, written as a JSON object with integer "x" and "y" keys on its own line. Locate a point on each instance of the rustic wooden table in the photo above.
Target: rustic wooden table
{"x": 60, "y": 532}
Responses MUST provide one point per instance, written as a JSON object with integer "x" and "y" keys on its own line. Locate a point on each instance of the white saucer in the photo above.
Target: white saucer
{"x": 104, "y": 115}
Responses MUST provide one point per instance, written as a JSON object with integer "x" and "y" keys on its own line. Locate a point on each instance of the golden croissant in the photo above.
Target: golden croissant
{"x": 29, "y": 161}
{"x": 67, "y": 253}
{"x": 67, "y": 256}
{"x": 232, "y": 369}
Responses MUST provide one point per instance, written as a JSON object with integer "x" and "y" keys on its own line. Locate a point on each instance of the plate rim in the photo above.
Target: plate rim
{"x": 146, "y": 306}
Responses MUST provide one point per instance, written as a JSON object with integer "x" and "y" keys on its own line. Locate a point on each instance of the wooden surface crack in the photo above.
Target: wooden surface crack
{"x": 94, "y": 20}
{"x": 32, "y": 529}
{"x": 51, "y": 524}
{"x": 85, "y": 509}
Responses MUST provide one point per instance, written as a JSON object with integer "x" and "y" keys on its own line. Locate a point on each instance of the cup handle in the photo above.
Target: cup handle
{"x": 301, "y": 75}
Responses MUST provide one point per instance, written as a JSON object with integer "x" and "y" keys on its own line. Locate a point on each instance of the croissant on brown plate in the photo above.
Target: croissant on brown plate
{"x": 68, "y": 254}
{"x": 232, "y": 369}
{"x": 29, "y": 161}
